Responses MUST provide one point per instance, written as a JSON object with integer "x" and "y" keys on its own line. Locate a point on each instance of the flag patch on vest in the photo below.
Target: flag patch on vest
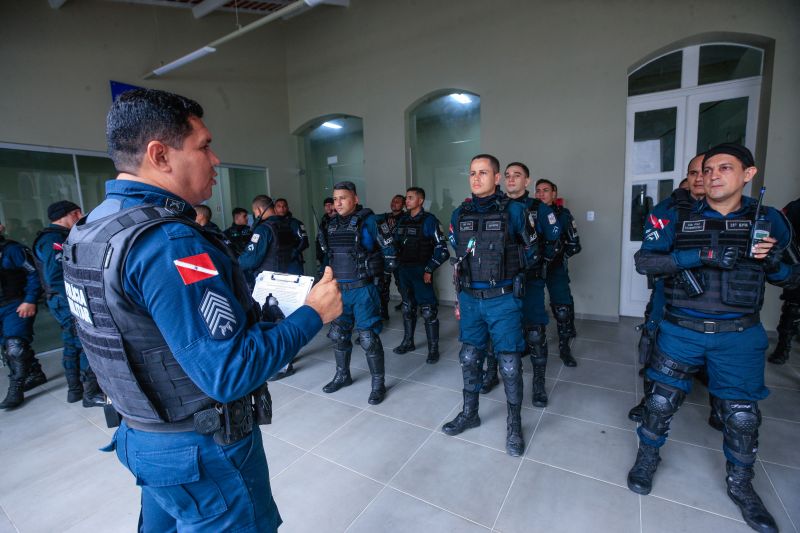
{"x": 658, "y": 223}
{"x": 218, "y": 315}
{"x": 195, "y": 268}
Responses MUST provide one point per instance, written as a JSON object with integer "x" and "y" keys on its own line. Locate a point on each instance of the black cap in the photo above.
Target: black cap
{"x": 328, "y": 200}
{"x": 742, "y": 153}
{"x": 60, "y": 209}
{"x": 345, "y": 186}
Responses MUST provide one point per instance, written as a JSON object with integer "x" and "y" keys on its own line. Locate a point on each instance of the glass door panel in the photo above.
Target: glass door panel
{"x": 721, "y": 121}
{"x": 654, "y": 141}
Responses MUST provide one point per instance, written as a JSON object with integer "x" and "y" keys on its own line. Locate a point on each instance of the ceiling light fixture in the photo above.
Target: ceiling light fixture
{"x": 332, "y": 125}
{"x": 461, "y": 98}
{"x": 188, "y": 58}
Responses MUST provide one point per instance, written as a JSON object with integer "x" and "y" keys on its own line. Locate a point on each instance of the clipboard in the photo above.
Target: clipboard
{"x": 289, "y": 289}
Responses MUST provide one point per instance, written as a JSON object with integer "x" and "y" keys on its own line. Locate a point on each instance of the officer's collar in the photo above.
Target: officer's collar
{"x": 150, "y": 194}
{"x": 748, "y": 205}
{"x": 487, "y": 201}
{"x": 421, "y": 212}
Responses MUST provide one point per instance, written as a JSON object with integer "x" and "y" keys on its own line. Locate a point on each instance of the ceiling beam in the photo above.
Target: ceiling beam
{"x": 207, "y": 6}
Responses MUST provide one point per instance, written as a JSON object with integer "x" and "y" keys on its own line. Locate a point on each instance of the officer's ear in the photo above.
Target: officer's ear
{"x": 750, "y": 173}
{"x": 155, "y": 156}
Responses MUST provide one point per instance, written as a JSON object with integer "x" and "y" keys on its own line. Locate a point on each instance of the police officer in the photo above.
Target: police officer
{"x": 421, "y": 249}
{"x": 494, "y": 244}
{"x": 169, "y": 328}
{"x": 534, "y": 315}
{"x": 386, "y": 224}
{"x": 239, "y": 233}
{"x": 272, "y": 244}
{"x": 322, "y": 260}
{"x": 203, "y": 218}
{"x": 47, "y": 253}
{"x": 682, "y": 200}
{"x": 717, "y": 322}
{"x": 561, "y": 302}
{"x": 19, "y": 291}
{"x": 357, "y": 253}
{"x": 789, "y": 323}
{"x": 299, "y": 231}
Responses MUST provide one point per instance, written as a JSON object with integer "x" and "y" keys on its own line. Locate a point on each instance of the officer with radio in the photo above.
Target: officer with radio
{"x": 494, "y": 244}
{"x": 358, "y": 253}
{"x": 169, "y": 327}
{"x": 731, "y": 246}
{"x": 421, "y": 249}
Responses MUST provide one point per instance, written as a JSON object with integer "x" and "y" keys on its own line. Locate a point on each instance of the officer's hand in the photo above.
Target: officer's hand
{"x": 723, "y": 257}
{"x": 26, "y": 310}
{"x": 325, "y": 297}
{"x": 427, "y": 277}
{"x": 457, "y": 312}
{"x": 762, "y": 248}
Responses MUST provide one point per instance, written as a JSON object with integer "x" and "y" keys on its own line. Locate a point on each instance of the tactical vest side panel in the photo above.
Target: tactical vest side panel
{"x": 279, "y": 255}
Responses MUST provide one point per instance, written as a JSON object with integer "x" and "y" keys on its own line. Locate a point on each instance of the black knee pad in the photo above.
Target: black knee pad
{"x": 561, "y": 312}
{"x": 429, "y": 312}
{"x": 370, "y": 341}
{"x": 660, "y": 403}
{"x": 409, "y": 311}
{"x": 340, "y": 336}
{"x": 471, "y": 359}
{"x": 742, "y": 419}
{"x": 536, "y": 335}
{"x": 17, "y": 347}
{"x": 510, "y": 366}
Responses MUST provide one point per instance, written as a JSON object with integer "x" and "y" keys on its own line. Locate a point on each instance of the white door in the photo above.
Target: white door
{"x": 664, "y": 131}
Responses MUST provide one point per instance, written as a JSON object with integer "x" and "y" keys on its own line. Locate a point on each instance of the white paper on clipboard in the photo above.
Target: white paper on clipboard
{"x": 289, "y": 289}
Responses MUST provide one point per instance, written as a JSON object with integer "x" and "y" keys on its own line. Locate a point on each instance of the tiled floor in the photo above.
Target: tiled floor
{"x": 338, "y": 464}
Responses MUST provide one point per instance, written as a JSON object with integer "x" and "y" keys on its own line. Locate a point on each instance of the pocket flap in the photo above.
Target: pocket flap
{"x": 163, "y": 468}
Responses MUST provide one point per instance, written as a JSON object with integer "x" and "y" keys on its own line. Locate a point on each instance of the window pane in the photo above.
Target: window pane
{"x": 662, "y": 74}
{"x": 722, "y": 62}
{"x": 94, "y": 173}
{"x": 654, "y": 141}
{"x": 445, "y": 132}
{"x": 665, "y": 188}
{"x": 723, "y": 121}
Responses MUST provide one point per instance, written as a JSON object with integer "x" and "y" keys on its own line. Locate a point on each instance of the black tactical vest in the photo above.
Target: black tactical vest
{"x": 413, "y": 248}
{"x": 740, "y": 290}
{"x": 348, "y": 257}
{"x": 281, "y": 248}
{"x": 125, "y": 348}
{"x": 12, "y": 280}
{"x": 63, "y": 233}
{"x": 496, "y": 257}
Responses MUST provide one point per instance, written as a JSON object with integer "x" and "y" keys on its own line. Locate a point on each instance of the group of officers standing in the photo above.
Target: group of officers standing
{"x": 163, "y": 308}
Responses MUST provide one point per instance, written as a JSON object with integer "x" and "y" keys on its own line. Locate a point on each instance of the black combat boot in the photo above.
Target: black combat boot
{"x": 342, "y": 377}
{"x": 409, "y": 325}
{"x": 467, "y": 418}
{"x": 18, "y": 366}
{"x": 36, "y": 376}
{"x": 490, "y": 379}
{"x": 74, "y": 385}
{"x": 565, "y": 322}
{"x": 384, "y": 310}
{"x": 378, "y": 392}
{"x": 92, "y": 394}
{"x": 640, "y": 477}
{"x": 740, "y": 490}
{"x": 514, "y": 443}
{"x": 787, "y": 327}
{"x": 432, "y": 332}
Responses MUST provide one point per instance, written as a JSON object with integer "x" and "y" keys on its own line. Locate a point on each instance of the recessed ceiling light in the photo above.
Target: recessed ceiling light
{"x": 461, "y": 98}
{"x": 331, "y": 125}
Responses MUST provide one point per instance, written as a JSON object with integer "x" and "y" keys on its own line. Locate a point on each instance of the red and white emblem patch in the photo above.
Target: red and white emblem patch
{"x": 658, "y": 223}
{"x": 195, "y": 268}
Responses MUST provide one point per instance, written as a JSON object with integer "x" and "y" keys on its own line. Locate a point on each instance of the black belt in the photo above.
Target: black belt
{"x": 162, "y": 427}
{"x": 704, "y": 325}
{"x": 350, "y": 285}
{"x": 485, "y": 294}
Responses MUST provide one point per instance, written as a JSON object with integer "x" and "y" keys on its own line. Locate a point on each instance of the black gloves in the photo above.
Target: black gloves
{"x": 723, "y": 257}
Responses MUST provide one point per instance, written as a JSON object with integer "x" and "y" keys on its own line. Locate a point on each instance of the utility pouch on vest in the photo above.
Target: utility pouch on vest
{"x": 112, "y": 416}
{"x": 519, "y": 285}
{"x": 743, "y": 287}
{"x": 236, "y": 422}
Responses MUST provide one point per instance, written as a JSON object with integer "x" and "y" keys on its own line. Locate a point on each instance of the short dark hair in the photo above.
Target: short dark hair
{"x": 239, "y": 211}
{"x": 419, "y": 190}
{"x": 327, "y": 200}
{"x": 547, "y": 182}
{"x": 282, "y": 200}
{"x": 523, "y": 166}
{"x": 684, "y": 180}
{"x": 492, "y": 159}
{"x": 345, "y": 186}
{"x": 202, "y": 208}
{"x": 263, "y": 201}
{"x": 401, "y": 196}
{"x": 143, "y": 115}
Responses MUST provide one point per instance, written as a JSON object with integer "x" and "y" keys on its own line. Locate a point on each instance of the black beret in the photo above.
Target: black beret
{"x": 60, "y": 209}
{"x": 742, "y": 153}
{"x": 345, "y": 186}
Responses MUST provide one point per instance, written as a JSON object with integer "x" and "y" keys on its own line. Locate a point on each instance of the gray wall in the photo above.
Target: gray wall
{"x": 552, "y": 81}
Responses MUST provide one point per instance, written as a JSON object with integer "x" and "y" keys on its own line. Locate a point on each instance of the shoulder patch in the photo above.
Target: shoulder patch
{"x": 551, "y": 218}
{"x": 255, "y": 238}
{"x": 218, "y": 315}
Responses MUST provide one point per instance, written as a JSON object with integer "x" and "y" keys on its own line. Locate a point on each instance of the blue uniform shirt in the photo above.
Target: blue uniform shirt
{"x": 659, "y": 237}
{"x": 16, "y": 256}
{"x": 227, "y": 366}
{"x": 519, "y": 230}
{"x": 257, "y": 248}
{"x": 546, "y": 224}
{"x": 48, "y": 251}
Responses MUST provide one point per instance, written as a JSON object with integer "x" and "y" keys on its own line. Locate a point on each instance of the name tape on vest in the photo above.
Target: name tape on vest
{"x": 78, "y": 303}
